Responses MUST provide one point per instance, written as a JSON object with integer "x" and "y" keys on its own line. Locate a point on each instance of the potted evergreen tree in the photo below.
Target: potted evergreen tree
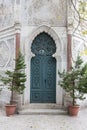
{"x": 75, "y": 82}
{"x": 15, "y": 80}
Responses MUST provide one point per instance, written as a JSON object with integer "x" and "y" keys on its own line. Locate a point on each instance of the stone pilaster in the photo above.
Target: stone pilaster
{"x": 17, "y": 19}
{"x": 69, "y": 51}
{"x": 67, "y": 98}
{"x": 69, "y": 33}
{"x": 17, "y": 44}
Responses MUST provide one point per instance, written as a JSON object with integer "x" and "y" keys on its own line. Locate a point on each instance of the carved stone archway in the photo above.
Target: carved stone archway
{"x": 57, "y": 55}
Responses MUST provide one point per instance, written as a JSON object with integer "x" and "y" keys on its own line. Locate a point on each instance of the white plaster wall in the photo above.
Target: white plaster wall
{"x": 59, "y": 34}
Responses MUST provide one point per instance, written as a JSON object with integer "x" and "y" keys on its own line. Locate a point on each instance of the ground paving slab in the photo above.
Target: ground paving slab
{"x": 44, "y": 122}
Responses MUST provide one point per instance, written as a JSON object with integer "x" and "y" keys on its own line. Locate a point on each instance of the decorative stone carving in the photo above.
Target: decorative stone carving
{"x": 11, "y": 43}
{"x": 4, "y": 53}
{"x": 43, "y": 44}
{"x": 78, "y": 47}
{"x": 6, "y": 13}
{"x": 38, "y": 12}
{"x": 70, "y": 17}
{"x": 58, "y": 34}
{"x": 7, "y": 50}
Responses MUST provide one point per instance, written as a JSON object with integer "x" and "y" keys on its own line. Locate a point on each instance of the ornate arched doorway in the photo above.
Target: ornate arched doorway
{"x": 43, "y": 70}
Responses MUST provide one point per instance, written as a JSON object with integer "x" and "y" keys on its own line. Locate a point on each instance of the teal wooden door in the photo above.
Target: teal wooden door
{"x": 43, "y": 79}
{"x": 43, "y": 76}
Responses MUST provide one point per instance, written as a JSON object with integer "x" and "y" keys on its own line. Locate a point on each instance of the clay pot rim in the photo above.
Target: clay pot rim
{"x": 77, "y": 105}
{"x": 10, "y": 105}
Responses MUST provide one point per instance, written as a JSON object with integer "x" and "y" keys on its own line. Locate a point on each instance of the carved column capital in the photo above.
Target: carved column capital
{"x": 70, "y": 17}
{"x": 17, "y": 27}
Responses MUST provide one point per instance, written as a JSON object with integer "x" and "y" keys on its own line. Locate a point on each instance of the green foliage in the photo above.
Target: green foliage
{"x": 75, "y": 80}
{"x": 15, "y": 80}
{"x": 83, "y": 9}
{"x": 19, "y": 76}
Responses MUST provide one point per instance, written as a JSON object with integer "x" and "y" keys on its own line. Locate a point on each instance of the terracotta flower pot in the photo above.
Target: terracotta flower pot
{"x": 10, "y": 109}
{"x": 73, "y": 110}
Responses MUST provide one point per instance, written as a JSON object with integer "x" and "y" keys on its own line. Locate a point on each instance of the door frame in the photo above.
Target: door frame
{"x": 61, "y": 58}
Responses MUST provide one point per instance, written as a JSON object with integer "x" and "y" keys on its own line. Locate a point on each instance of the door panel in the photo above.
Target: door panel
{"x": 50, "y": 73}
{"x": 43, "y": 79}
{"x": 35, "y": 73}
{"x": 49, "y": 97}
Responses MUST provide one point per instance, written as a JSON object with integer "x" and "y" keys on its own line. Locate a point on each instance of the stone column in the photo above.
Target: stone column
{"x": 17, "y": 97}
{"x": 59, "y": 94}
{"x": 67, "y": 98}
{"x": 69, "y": 51}
{"x": 29, "y": 55}
{"x": 17, "y": 44}
{"x": 69, "y": 33}
{"x": 17, "y": 27}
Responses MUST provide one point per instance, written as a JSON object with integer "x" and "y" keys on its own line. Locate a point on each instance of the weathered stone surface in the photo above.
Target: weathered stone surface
{"x": 4, "y": 96}
{"x": 79, "y": 48}
{"x": 6, "y": 13}
{"x": 7, "y": 47}
{"x": 50, "y": 12}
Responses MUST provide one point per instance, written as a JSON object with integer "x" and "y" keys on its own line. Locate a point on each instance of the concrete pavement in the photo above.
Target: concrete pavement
{"x": 44, "y": 122}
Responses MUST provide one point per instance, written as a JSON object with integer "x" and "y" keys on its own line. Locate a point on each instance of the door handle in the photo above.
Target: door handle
{"x": 45, "y": 81}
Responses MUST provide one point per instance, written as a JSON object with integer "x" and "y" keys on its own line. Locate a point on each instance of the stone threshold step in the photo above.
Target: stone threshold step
{"x": 43, "y": 112}
{"x": 42, "y": 106}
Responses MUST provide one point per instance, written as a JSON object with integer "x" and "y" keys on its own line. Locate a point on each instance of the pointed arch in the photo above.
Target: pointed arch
{"x": 43, "y": 44}
{"x": 50, "y": 32}
{"x": 29, "y": 55}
